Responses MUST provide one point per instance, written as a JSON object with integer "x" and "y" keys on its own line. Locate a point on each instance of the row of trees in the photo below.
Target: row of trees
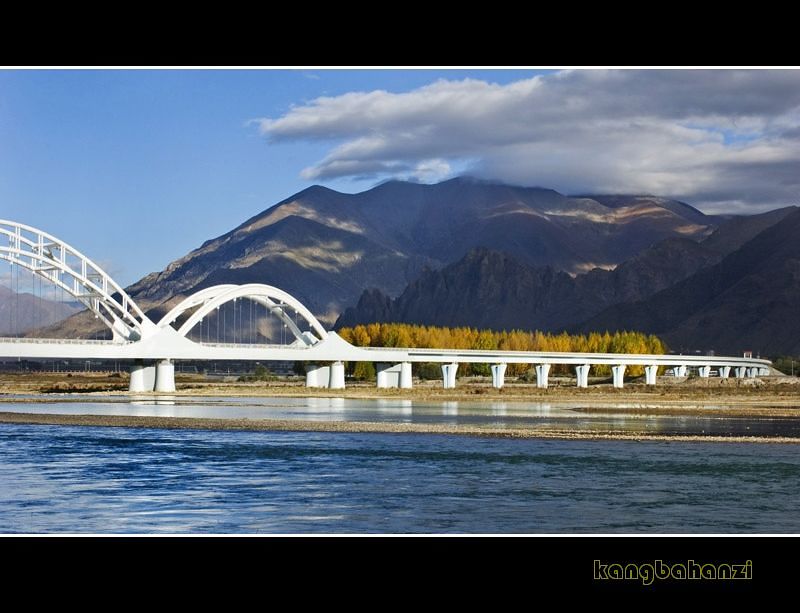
{"x": 410, "y": 335}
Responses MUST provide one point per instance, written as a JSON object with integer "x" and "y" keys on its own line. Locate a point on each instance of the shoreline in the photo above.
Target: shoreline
{"x": 295, "y": 425}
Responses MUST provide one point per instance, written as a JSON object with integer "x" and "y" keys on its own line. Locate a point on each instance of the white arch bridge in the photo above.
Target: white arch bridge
{"x": 155, "y": 346}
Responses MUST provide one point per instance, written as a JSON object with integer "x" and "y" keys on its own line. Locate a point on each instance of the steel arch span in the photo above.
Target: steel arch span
{"x": 275, "y": 300}
{"x": 64, "y": 266}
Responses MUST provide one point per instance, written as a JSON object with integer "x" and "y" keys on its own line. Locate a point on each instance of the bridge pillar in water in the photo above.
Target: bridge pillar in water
{"x": 143, "y": 377}
{"x": 724, "y": 372}
{"x": 650, "y": 373}
{"x": 498, "y": 375}
{"x": 704, "y": 371}
{"x": 582, "y": 375}
{"x": 740, "y": 372}
{"x": 449, "y": 375}
{"x": 618, "y": 372}
{"x": 542, "y": 374}
{"x": 165, "y": 376}
{"x": 337, "y": 376}
{"x": 393, "y": 375}
{"x": 317, "y": 376}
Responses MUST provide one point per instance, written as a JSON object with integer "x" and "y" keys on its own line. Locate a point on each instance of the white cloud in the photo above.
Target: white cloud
{"x": 718, "y": 139}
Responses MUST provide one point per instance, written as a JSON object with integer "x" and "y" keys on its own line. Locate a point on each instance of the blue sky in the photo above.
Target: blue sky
{"x": 136, "y": 168}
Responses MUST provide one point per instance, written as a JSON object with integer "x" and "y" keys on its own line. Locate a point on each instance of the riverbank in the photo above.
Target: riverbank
{"x": 296, "y": 425}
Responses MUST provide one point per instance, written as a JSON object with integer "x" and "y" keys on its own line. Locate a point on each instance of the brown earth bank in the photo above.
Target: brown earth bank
{"x": 288, "y": 425}
{"x": 768, "y": 396}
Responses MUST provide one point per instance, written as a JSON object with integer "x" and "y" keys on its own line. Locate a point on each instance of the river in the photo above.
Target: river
{"x": 122, "y": 480}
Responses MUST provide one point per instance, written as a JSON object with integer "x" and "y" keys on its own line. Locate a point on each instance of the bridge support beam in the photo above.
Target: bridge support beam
{"x": 143, "y": 377}
{"x": 449, "y": 375}
{"x": 704, "y": 372}
{"x": 618, "y": 372}
{"x": 542, "y": 374}
{"x": 650, "y": 373}
{"x": 337, "y": 376}
{"x": 165, "y": 376}
{"x": 740, "y": 372}
{"x": 498, "y": 375}
{"x": 393, "y": 375}
{"x": 724, "y": 372}
{"x": 582, "y": 375}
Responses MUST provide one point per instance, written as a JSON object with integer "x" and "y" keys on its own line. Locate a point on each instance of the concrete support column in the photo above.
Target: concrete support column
{"x": 393, "y": 375}
{"x": 724, "y": 372}
{"x": 498, "y": 375}
{"x": 680, "y": 371}
{"x": 618, "y": 372}
{"x": 763, "y": 372}
{"x": 740, "y": 372}
{"x": 337, "y": 376}
{"x": 449, "y": 375}
{"x": 542, "y": 374}
{"x": 650, "y": 373}
{"x": 582, "y": 374}
{"x": 405, "y": 375}
{"x": 165, "y": 376}
{"x": 143, "y": 377}
{"x": 704, "y": 371}
{"x": 752, "y": 373}
{"x": 317, "y": 376}
{"x": 382, "y": 375}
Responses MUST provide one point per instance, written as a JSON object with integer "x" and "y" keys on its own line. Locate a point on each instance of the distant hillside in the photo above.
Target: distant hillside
{"x": 22, "y": 313}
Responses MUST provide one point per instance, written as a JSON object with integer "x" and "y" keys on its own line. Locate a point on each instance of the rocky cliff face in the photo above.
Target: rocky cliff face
{"x": 746, "y": 301}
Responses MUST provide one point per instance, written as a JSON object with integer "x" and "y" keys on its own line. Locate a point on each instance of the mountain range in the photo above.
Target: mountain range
{"x": 462, "y": 251}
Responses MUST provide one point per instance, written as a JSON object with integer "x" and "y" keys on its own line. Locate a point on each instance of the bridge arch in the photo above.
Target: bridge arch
{"x": 64, "y": 266}
{"x": 276, "y": 300}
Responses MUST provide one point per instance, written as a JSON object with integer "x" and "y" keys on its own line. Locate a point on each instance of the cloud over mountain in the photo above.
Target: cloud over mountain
{"x": 727, "y": 140}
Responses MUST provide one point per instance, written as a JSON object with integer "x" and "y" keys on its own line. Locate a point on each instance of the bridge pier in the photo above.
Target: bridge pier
{"x": 618, "y": 372}
{"x": 317, "y": 376}
{"x": 337, "y": 376}
{"x": 498, "y": 375}
{"x": 724, "y": 372}
{"x": 449, "y": 375}
{"x": 542, "y": 374}
{"x": 763, "y": 372}
{"x": 680, "y": 371}
{"x": 582, "y": 375}
{"x": 752, "y": 373}
{"x": 704, "y": 372}
{"x": 143, "y": 378}
{"x": 740, "y": 372}
{"x": 650, "y": 373}
{"x": 393, "y": 375}
{"x": 165, "y": 376}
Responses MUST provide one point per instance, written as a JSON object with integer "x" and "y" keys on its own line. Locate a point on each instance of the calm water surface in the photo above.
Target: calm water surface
{"x": 85, "y": 479}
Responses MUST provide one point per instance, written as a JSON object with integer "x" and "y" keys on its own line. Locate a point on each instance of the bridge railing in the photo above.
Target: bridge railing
{"x": 60, "y": 341}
